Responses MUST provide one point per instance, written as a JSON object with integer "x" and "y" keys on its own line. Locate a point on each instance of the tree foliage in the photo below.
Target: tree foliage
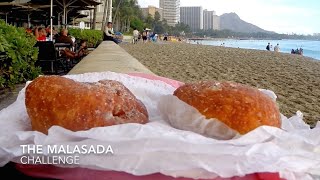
{"x": 124, "y": 13}
{"x": 17, "y": 56}
{"x": 157, "y": 16}
{"x": 93, "y": 37}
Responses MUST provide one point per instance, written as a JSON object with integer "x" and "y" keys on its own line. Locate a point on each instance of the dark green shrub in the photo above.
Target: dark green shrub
{"x": 93, "y": 37}
{"x": 17, "y": 56}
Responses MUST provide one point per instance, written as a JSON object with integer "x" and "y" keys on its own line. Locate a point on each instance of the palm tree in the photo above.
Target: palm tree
{"x": 117, "y": 12}
{"x": 124, "y": 13}
{"x": 104, "y": 14}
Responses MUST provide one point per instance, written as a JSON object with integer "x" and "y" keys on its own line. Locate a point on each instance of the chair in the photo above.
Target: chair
{"x": 48, "y": 55}
{"x": 62, "y": 46}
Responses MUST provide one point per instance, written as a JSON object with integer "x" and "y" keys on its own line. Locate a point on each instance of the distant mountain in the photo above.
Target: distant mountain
{"x": 233, "y": 22}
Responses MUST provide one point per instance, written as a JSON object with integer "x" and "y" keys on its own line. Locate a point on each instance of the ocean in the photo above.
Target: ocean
{"x": 310, "y": 48}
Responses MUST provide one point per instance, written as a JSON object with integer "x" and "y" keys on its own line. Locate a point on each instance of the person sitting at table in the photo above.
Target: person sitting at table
{"x": 64, "y": 38}
{"x": 40, "y": 34}
{"x": 48, "y": 30}
{"x": 83, "y": 50}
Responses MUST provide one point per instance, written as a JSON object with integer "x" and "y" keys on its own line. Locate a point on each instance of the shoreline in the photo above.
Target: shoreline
{"x": 196, "y": 42}
{"x": 295, "y": 79}
{"x": 240, "y": 39}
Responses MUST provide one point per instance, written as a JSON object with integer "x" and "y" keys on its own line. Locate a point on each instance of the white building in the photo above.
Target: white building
{"x": 192, "y": 16}
{"x": 171, "y": 11}
{"x": 208, "y": 19}
{"x": 89, "y": 18}
{"x": 99, "y": 15}
{"x": 216, "y": 22}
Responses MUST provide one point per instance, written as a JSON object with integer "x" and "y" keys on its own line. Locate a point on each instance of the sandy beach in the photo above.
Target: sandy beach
{"x": 294, "y": 78}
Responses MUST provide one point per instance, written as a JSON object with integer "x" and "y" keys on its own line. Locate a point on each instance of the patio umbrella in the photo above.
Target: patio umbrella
{"x": 51, "y": 19}
{"x": 8, "y": 6}
{"x": 65, "y": 5}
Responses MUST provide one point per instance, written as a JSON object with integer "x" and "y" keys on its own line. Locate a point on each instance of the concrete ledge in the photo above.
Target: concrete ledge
{"x": 109, "y": 57}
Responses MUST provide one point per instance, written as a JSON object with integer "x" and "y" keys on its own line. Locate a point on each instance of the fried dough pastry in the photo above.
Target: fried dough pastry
{"x": 55, "y": 100}
{"x": 240, "y": 107}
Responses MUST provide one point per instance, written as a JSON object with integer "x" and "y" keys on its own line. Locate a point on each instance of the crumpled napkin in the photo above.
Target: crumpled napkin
{"x": 294, "y": 151}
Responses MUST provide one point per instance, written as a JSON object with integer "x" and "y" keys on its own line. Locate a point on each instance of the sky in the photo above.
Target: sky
{"x": 281, "y": 16}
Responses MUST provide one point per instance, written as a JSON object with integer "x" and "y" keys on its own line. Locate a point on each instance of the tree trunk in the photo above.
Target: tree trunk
{"x": 91, "y": 21}
{"x": 117, "y": 10}
{"x": 118, "y": 23}
{"x": 124, "y": 26}
{"x": 94, "y": 21}
{"x": 109, "y": 16}
{"x": 104, "y": 15}
{"x": 128, "y": 27}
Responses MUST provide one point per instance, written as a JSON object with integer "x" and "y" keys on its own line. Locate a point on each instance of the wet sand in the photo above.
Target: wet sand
{"x": 294, "y": 78}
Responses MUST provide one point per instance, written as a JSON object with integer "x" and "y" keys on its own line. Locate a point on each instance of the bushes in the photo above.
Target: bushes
{"x": 17, "y": 56}
{"x": 93, "y": 37}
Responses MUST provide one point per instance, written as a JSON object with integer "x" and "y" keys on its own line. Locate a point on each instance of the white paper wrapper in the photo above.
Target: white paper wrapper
{"x": 180, "y": 115}
{"x": 158, "y": 147}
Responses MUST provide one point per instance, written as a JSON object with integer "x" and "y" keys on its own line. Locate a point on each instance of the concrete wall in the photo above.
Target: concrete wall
{"x": 109, "y": 57}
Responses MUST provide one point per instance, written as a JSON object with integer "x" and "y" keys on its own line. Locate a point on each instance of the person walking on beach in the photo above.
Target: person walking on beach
{"x": 268, "y": 47}
{"x": 165, "y": 37}
{"x": 135, "y": 36}
{"x": 277, "y": 48}
{"x": 145, "y": 35}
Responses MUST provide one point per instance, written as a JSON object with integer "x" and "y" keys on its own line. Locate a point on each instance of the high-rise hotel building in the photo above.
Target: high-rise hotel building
{"x": 210, "y": 20}
{"x": 170, "y": 11}
{"x": 192, "y": 16}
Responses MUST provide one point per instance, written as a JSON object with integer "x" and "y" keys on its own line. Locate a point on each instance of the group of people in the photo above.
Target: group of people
{"x": 42, "y": 34}
{"x": 146, "y": 36}
{"x": 297, "y": 51}
{"x": 64, "y": 38}
{"x": 276, "y": 48}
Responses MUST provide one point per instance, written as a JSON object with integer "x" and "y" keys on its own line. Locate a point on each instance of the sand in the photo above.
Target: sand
{"x": 294, "y": 78}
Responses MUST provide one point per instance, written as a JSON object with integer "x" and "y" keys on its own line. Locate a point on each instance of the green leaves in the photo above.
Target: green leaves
{"x": 1, "y": 48}
{"x": 91, "y": 36}
{"x": 17, "y": 56}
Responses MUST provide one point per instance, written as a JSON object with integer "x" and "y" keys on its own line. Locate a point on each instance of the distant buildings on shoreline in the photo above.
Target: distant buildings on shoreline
{"x": 195, "y": 17}
{"x": 199, "y": 19}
